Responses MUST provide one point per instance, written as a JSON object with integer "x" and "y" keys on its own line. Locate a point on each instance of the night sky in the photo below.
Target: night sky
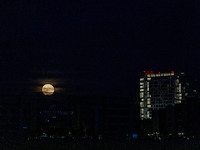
{"x": 95, "y": 47}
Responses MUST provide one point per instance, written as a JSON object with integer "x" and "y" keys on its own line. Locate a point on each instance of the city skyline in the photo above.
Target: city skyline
{"x": 99, "y": 75}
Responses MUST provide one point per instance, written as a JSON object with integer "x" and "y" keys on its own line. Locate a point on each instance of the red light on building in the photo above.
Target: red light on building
{"x": 172, "y": 71}
{"x": 158, "y": 72}
{"x": 148, "y": 72}
{"x": 144, "y": 71}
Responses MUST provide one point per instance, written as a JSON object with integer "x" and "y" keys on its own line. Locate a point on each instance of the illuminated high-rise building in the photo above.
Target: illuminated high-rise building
{"x": 158, "y": 90}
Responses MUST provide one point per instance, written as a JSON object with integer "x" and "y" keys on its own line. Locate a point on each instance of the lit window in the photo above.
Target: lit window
{"x": 141, "y": 79}
{"x": 141, "y": 94}
{"x": 177, "y": 81}
{"x": 148, "y": 95}
{"x": 157, "y": 75}
{"x": 166, "y": 74}
{"x": 142, "y": 111}
{"x": 149, "y": 106}
{"x": 148, "y": 78}
{"x": 148, "y": 102}
{"x": 141, "y": 104}
{"x": 147, "y": 84}
{"x": 179, "y": 87}
{"x": 141, "y": 83}
{"x": 148, "y": 114}
{"x": 141, "y": 89}
{"x": 142, "y": 99}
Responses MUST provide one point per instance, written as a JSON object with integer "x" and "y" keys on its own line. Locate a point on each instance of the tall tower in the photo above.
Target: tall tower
{"x": 158, "y": 90}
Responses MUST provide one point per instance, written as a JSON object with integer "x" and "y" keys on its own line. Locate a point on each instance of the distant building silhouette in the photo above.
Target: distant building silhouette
{"x": 106, "y": 117}
{"x": 66, "y": 116}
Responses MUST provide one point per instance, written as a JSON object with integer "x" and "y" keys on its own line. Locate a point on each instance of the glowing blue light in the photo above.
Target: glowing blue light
{"x": 134, "y": 136}
{"x": 25, "y": 127}
{"x": 54, "y": 117}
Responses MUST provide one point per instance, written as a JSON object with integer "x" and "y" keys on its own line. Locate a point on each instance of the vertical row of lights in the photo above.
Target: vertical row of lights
{"x": 142, "y": 98}
{"x": 145, "y": 98}
{"x": 178, "y": 92}
{"x": 148, "y": 99}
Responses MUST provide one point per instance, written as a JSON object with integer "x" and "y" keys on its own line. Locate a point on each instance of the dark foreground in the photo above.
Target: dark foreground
{"x": 100, "y": 145}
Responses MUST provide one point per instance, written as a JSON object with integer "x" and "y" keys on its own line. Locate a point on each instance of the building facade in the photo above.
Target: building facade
{"x": 159, "y": 90}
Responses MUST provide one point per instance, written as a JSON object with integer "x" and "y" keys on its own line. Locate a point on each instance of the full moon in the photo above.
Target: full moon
{"x": 48, "y": 89}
